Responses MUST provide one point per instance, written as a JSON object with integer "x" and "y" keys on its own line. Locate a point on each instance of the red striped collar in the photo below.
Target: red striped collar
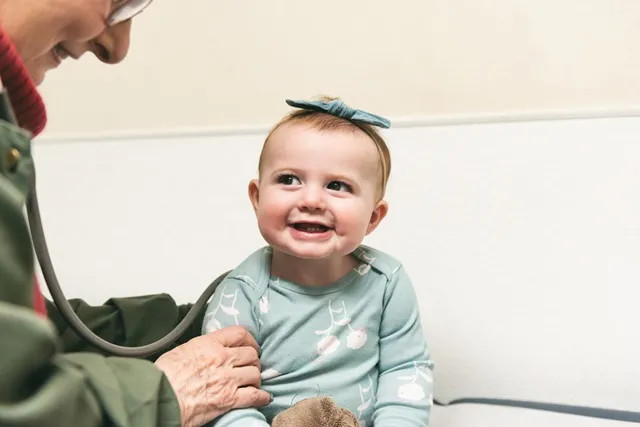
{"x": 25, "y": 99}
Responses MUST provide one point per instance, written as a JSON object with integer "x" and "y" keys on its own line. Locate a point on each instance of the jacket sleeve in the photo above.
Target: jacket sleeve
{"x": 42, "y": 386}
{"x": 131, "y": 321}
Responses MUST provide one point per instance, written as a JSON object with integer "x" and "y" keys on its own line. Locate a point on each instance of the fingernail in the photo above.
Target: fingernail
{"x": 270, "y": 397}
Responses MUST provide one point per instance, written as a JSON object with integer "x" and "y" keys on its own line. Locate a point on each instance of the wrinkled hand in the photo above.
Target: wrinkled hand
{"x": 214, "y": 373}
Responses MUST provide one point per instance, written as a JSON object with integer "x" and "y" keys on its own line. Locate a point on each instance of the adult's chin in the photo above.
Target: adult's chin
{"x": 36, "y": 71}
{"x": 38, "y": 77}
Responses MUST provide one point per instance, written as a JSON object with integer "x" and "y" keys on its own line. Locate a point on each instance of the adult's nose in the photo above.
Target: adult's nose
{"x": 112, "y": 45}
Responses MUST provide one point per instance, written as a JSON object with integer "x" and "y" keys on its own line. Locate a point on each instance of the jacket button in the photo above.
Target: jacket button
{"x": 11, "y": 159}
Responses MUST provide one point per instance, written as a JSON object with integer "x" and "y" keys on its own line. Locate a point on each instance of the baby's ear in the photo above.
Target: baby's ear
{"x": 254, "y": 193}
{"x": 378, "y": 214}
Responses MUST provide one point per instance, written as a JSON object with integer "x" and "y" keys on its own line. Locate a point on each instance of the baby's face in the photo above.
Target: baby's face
{"x": 317, "y": 196}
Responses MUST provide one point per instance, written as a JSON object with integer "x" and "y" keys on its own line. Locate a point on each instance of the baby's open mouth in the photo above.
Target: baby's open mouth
{"x": 310, "y": 227}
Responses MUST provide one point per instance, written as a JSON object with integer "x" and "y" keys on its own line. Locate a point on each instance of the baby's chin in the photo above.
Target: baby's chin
{"x": 312, "y": 254}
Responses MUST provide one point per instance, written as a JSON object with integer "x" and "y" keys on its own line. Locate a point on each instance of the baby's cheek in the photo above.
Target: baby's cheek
{"x": 354, "y": 231}
{"x": 271, "y": 222}
{"x": 359, "y": 218}
{"x": 272, "y": 216}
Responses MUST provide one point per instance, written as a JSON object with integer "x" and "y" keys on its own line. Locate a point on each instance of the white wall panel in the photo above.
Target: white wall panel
{"x": 523, "y": 241}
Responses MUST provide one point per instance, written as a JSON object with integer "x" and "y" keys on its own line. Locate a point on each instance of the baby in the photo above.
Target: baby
{"x": 332, "y": 317}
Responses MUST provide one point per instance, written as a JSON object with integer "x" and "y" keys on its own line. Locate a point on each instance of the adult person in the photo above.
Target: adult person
{"x": 42, "y": 383}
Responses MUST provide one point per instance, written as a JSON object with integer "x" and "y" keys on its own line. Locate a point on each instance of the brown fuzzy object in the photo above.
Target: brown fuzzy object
{"x": 315, "y": 412}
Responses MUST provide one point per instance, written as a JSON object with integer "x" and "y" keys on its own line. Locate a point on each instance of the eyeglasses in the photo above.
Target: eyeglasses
{"x": 126, "y": 9}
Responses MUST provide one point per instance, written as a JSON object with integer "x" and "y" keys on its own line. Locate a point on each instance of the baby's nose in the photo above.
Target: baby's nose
{"x": 312, "y": 199}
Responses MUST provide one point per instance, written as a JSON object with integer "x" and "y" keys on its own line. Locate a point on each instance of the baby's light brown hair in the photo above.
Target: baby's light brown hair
{"x": 327, "y": 122}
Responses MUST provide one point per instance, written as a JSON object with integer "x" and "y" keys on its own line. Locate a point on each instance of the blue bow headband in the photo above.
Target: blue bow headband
{"x": 340, "y": 109}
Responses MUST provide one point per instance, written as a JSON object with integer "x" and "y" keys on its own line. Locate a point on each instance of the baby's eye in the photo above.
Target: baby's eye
{"x": 339, "y": 186}
{"x": 288, "y": 179}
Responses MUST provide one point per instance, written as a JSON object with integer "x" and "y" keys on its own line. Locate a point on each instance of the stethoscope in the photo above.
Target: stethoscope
{"x": 123, "y": 10}
{"x": 51, "y": 280}
{"x": 67, "y": 313}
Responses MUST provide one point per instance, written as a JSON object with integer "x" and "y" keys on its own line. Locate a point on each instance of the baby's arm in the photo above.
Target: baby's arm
{"x": 230, "y": 305}
{"x": 249, "y": 417}
{"x": 405, "y": 384}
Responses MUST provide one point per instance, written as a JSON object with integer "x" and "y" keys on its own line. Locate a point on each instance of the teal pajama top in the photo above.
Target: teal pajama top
{"x": 358, "y": 340}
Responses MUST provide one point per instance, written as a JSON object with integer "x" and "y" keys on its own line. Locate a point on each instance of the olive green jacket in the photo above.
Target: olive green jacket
{"x": 50, "y": 377}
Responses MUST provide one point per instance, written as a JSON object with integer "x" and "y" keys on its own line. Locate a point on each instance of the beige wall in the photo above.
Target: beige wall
{"x": 231, "y": 63}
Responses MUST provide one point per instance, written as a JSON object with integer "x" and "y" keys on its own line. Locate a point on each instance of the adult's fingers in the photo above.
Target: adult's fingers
{"x": 246, "y": 376}
{"x": 235, "y": 336}
{"x": 244, "y": 356}
{"x": 247, "y": 397}
{"x": 211, "y": 374}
